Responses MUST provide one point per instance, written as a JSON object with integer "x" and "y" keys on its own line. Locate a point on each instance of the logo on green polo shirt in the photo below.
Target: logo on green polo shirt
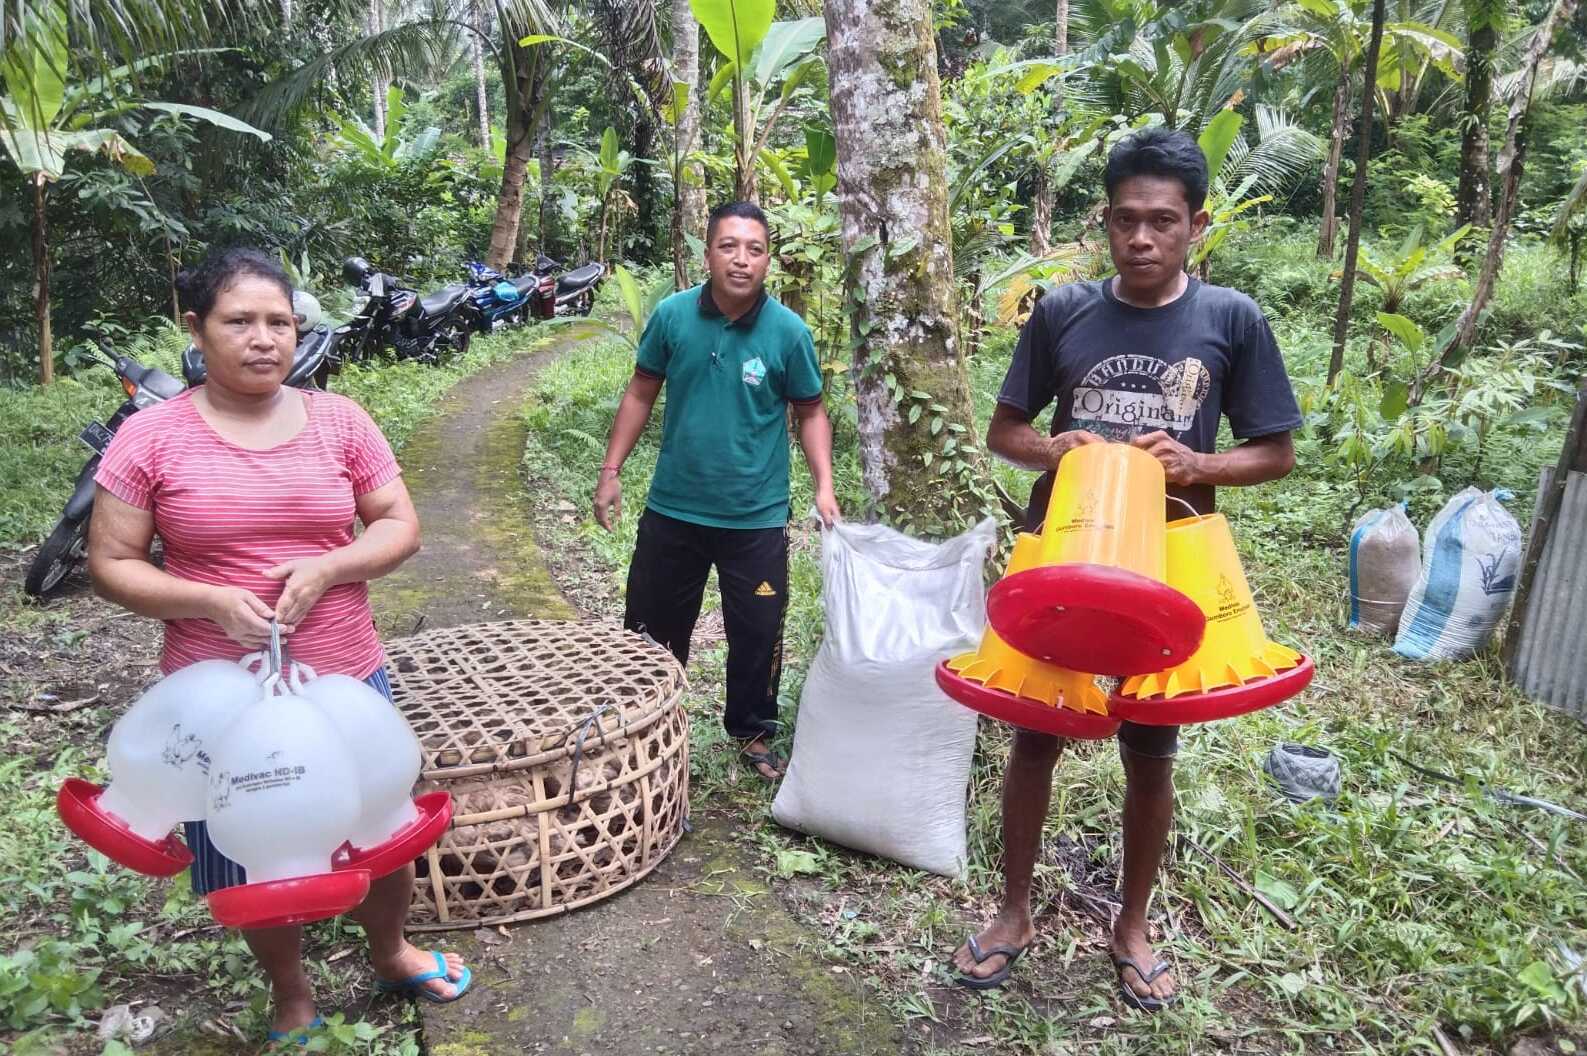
{"x": 754, "y": 372}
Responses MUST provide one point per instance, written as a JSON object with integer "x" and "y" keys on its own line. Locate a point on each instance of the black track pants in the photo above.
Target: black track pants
{"x": 666, "y": 583}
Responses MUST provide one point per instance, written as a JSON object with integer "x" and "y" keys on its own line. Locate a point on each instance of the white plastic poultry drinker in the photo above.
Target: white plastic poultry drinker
{"x": 303, "y": 780}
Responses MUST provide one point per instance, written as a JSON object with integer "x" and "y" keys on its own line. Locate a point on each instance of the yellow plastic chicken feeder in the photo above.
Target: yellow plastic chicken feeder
{"x": 1237, "y": 669}
{"x": 999, "y": 681}
{"x": 1097, "y": 600}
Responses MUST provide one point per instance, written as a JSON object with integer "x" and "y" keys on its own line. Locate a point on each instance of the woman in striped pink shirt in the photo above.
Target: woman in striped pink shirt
{"x": 253, "y": 489}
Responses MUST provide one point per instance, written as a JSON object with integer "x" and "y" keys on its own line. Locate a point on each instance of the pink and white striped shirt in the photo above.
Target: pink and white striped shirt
{"x": 226, "y": 514}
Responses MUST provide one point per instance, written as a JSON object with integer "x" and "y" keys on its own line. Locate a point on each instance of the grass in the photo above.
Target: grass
{"x": 1423, "y": 909}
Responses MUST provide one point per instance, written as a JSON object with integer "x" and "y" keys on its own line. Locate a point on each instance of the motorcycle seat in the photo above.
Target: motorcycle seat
{"x": 193, "y": 366}
{"x": 441, "y": 301}
{"x": 578, "y": 278}
{"x": 525, "y": 283}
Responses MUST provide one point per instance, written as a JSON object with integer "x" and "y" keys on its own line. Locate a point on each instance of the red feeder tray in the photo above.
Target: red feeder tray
{"x": 78, "y": 805}
{"x": 435, "y": 814}
{"x": 1023, "y": 712}
{"x": 1095, "y": 618}
{"x": 299, "y": 900}
{"x": 1215, "y": 704}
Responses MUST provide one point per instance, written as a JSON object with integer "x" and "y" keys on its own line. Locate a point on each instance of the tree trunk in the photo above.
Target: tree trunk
{"x": 523, "y": 85}
{"x": 41, "y": 283}
{"x": 1358, "y": 192}
{"x": 1330, "y": 177}
{"x": 377, "y": 24}
{"x": 1510, "y": 160}
{"x": 548, "y": 169}
{"x": 1474, "y": 196}
{"x": 688, "y": 208}
{"x": 286, "y": 12}
{"x": 1041, "y": 211}
{"x": 909, "y": 373}
{"x": 477, "y": 53}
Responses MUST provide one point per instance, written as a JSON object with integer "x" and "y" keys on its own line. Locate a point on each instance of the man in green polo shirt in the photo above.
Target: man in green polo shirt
{"x": 734, "y": 361}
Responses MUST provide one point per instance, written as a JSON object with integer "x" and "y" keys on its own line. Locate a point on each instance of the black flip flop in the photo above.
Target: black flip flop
{"x": 1144, "y": 1002}
{"x": 997, "y": 978}
{"x": 767, "y": 758}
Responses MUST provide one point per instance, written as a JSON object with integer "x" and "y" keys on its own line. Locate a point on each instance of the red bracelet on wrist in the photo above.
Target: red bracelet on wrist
{"x": 614, "y": 469}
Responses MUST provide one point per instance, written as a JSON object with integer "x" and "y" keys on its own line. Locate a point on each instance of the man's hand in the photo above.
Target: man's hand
{"x": 307, "y": 578}
{"x": 1060, "y": 445}
{"x": 827, "y": 507}
{"x": 1181, "y": 465}
{"x": 244, "y": 618}
{"x": 608, "y": 500}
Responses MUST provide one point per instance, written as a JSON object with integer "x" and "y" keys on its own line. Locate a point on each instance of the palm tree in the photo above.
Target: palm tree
{"x": 1336, "y": 33}
{"x": 525, "y": 27}
{"x": 50, "y": 111}
{"x": 1474, "y": 197}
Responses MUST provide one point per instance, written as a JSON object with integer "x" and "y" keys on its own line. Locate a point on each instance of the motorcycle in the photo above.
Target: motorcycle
{"x": 541, "y": 294}
{"x": 574, "y": 291}
{"x": 426, "y": 328}
{"x": 498, "y": 300}
{"x": 67, "y": 545}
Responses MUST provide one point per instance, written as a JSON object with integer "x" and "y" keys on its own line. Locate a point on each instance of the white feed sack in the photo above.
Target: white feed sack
{"x": 1470, "y": 560}
{"x": 881, "y": 757}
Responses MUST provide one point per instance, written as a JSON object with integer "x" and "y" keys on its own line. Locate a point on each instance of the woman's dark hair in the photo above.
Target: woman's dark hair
{"x": 740, "y": 210}
{"x": 198, "y": 287}
{"x": 1168, "y": 153}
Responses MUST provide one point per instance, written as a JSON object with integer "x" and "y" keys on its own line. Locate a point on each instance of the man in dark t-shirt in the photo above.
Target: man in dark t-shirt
{"x": 1150, "y": 357}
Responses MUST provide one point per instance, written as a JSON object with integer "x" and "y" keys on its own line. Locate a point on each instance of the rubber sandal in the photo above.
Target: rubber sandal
{"x": 1144, "y": 1002}
{"x": 414, "y": 985}
{"x": 273, "y": 1036}
{"x": 1012, "y": 954}
{"x": 766, "y": 758}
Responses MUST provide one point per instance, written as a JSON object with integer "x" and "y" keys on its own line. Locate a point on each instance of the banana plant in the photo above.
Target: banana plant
{"x": 390, "y": 150}
{"x": 757, "y": 55}
{"x": 45, "y": 116}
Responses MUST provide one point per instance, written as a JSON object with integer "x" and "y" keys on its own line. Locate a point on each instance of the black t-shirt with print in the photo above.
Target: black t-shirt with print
{"x": 1120, "y": 371}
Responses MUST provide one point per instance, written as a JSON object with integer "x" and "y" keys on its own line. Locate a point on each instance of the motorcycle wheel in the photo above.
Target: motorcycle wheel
{"x": 58, "y": 555}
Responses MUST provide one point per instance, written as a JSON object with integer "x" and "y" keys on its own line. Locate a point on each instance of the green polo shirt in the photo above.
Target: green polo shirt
{"x": 724, "y": 434}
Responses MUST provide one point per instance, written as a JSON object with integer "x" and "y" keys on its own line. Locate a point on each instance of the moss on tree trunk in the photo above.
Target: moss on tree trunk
{"x": 918, "y": 448}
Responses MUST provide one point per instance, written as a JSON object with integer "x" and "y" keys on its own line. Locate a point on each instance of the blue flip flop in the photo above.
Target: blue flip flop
{"x": 301, "y": 1032}
{"x": 414, "y": 984}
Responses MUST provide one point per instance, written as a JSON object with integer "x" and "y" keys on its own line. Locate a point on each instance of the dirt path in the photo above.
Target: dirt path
{"x": 479, "y": 560}
{"x": 700, "y": 957}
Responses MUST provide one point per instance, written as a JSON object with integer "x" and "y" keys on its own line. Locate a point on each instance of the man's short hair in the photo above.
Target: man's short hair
{"x": 740, "y": 210}
{"x": 1168, "y": 153}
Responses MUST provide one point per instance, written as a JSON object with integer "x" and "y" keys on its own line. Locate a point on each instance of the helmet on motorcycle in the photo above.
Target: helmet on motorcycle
{"x": 354, "y": 269}
{"x": 306, "y": 307}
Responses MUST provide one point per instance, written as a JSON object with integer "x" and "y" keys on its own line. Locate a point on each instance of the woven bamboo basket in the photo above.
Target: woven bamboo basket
{"x": 566, "y": 750}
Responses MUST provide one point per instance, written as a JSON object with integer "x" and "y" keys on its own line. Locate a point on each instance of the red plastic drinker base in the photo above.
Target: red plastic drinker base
{"x": 300, "y": 900}
{"x": 78, "y": 805}
{"x": 1215, "y": 704}
{"x": 435, "y": 814}
{"x": 1023, "y": 712}
{"x": 1096, "y": 618}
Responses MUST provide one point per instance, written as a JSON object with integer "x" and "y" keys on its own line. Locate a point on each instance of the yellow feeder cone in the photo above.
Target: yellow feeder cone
{"x": 1096, "y": 599}
{"x": 999, "y": 681}
{"x": 1237, "y": 668}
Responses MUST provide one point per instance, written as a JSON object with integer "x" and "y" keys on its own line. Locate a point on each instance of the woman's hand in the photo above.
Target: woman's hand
{"x": 244, "y": 618}
{"x": 306, "y": 579}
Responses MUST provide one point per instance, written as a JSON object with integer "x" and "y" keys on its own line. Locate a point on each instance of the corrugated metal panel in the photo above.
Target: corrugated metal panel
{"x": 1551, "y": 656}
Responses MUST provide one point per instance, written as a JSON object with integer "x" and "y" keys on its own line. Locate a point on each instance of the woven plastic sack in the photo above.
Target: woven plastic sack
{"x": 1385, "y": 559}
{"x": 881, "y": 758}
{"x": 1469, "y": 562}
